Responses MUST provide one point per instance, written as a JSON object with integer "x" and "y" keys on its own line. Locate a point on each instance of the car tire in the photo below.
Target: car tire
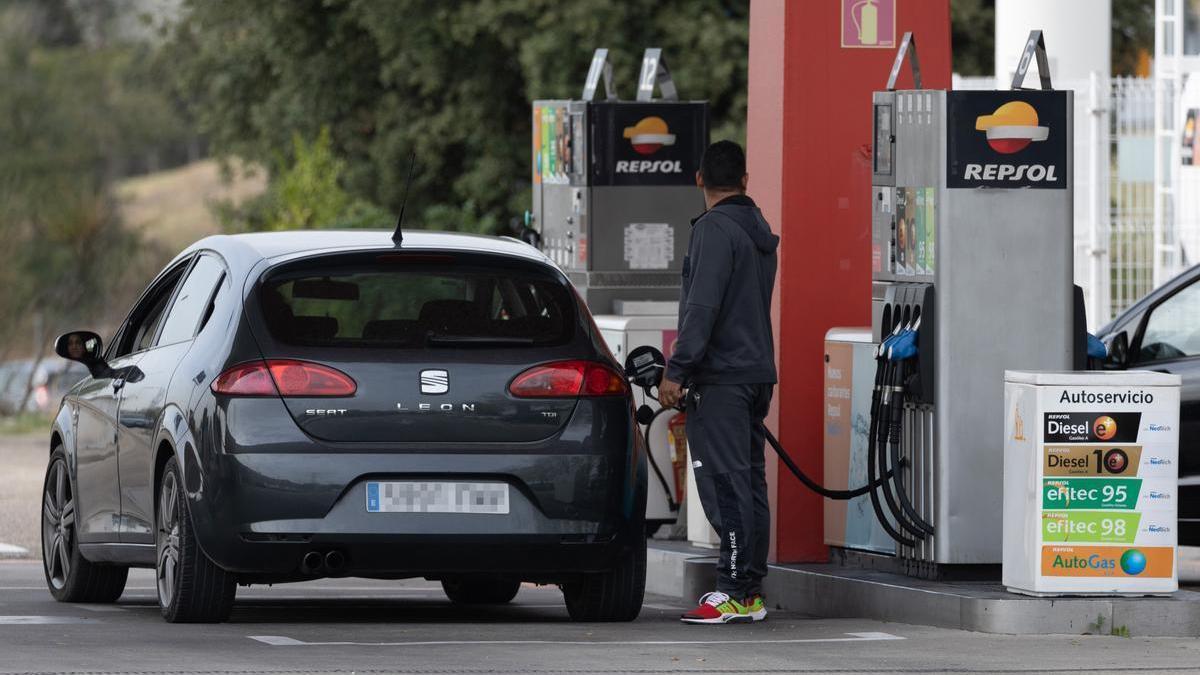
{"x": 480, "y": 590}
{"x": 191, "y": 588}
{"x": 615, "y": 595}
{"x": 69, "y": 576}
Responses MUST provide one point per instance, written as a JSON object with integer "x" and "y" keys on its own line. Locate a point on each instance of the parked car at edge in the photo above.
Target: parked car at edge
{"x": 1162, "y": 332}
{"x": 284, "y": 406}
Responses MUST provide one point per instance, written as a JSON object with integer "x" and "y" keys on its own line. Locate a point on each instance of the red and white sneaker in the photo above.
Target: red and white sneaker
{"x": 718, "y": 607}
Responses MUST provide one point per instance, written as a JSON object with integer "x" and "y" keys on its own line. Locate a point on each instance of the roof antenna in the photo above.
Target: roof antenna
{"x": 398, "y": 236}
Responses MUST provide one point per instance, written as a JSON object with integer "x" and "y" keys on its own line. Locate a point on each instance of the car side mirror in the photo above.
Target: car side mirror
{"x": 1118, "y": 351}
{"x": 644, "y": 366}
{"x": 83, "y": 346}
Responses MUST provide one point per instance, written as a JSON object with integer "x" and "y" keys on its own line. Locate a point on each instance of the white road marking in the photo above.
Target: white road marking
{"x": 101, "y": 608}
{"x": 668, "y": 608}
{"x": 359, "y": 589}
{"x": 282, "y": 641}
{"x": 37, "y": 620}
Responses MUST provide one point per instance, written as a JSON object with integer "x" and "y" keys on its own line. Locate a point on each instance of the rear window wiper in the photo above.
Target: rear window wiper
{"x": 434, "y": 339}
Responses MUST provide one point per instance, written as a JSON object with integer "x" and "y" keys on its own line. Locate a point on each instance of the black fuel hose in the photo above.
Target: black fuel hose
{"x": 811, "y": 484}
{"x": 894, "y": 431}
{"x": 873, "y": 463}
{"x": 815, "y": 486}
{"x": 891, "y": 404}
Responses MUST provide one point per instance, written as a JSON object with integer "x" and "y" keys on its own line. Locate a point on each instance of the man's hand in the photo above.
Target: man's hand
{"x": 669, "y": 393}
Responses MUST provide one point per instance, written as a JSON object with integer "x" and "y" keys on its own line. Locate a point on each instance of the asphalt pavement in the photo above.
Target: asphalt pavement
{"x": 22, "y": 468}
{"x": 369, "y": 626}
{"x": 366, "y": 626}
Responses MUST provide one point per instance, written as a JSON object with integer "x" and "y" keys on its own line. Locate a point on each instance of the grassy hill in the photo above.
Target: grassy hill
{"x": 173, "y": 208}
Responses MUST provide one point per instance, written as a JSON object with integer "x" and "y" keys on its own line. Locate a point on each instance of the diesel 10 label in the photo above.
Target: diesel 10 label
{"x": 1091, "y": 460}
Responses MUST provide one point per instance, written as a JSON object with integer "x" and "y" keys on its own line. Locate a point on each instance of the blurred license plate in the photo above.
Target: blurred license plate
{"x": 436, "y": 497}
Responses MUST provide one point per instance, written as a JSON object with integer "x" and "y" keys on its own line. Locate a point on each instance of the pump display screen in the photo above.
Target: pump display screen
{"x": 883, "y": 139}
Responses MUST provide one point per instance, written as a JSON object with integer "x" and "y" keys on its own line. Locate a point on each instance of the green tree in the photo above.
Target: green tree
{"x": 451, "y": 82}
{"x": 70, "y": 115}
{"x": 973, "y": 37}
{"x": 306, "y": 193}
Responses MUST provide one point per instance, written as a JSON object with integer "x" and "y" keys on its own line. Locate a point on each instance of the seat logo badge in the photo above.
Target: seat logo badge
{"x": 435, "y": 382}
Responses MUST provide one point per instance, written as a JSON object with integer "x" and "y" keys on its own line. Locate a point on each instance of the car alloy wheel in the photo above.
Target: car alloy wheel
{"x": 58, "y": 525}
{"x": 168, "y": 539}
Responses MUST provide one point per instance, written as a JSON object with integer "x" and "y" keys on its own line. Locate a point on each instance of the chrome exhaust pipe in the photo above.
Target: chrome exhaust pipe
{"x": 311, "y": 563}
{"x": 335, "y": 561}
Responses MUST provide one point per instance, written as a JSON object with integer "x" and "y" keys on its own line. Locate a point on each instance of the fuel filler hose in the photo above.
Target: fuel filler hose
{"x": 811, "y": 484}
{"x": 884, "y": 434}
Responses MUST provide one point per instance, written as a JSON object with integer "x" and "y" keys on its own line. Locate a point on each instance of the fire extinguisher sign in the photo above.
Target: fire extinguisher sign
{"x": 869, "y": 23}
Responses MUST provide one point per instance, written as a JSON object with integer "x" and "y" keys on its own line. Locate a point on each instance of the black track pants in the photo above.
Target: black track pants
{"x": 726, "y": 440}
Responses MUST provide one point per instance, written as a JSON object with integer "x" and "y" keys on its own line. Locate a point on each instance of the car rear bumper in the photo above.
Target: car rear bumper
{"x": 573, "y": 506}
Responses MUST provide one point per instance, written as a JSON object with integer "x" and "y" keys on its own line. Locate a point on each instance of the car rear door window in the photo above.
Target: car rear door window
{"x": 1173, "y": 327}
{"x": 140, "y": 328}
{"x": 192, "y": 301}
{"x": 416, "y": 307}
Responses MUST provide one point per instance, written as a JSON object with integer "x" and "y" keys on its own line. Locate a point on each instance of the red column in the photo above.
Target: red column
{"x": 808, "y": 152}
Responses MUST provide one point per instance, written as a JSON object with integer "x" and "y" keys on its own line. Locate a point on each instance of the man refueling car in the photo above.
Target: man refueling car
{"x": 723, "y": 369}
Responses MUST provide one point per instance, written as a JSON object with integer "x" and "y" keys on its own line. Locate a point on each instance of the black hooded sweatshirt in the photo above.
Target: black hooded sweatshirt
{"x": 725, "y": 301}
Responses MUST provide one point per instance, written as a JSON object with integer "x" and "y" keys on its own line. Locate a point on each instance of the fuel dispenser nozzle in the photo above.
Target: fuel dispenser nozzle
{"x": 886, "y": 416}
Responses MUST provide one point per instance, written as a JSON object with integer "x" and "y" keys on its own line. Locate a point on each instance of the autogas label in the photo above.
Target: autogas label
{"x": 1089, "y": 427}
{"x": 1102, "y": 527}
{"x": 1091, "y": 493}
{"x": 1108, "y": 561}
{"x": 1091, "y": 460}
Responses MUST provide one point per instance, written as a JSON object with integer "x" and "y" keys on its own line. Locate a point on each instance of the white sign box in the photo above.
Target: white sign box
{"x": 1091, "y": 492}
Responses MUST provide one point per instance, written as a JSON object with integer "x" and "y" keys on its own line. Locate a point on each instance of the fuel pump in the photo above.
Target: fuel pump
{"x": 972, "y": 259}
{"x": 614, "y": 184}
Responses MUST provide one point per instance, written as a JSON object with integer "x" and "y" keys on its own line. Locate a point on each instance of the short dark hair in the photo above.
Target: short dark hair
{"x": 723, "y": 166}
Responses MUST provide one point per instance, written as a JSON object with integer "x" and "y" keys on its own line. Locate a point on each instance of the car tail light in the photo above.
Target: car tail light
{"x": 283, "y": 377}
{"x": 565, "y": 379}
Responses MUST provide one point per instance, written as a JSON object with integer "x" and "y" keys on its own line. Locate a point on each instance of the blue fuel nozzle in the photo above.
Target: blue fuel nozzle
{"x": 904, "y": 346}
{"x": 1096, "y": 348}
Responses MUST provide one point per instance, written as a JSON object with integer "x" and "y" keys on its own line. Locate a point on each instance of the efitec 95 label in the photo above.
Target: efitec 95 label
{"x": 1091, "y": 493}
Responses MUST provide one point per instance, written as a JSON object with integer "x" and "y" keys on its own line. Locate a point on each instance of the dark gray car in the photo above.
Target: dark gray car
{"x": 1162, "y": 332}
{"x": 284, "y": 406}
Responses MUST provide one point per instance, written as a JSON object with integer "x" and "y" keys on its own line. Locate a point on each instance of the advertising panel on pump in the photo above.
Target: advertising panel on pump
{"x": 1007, "y": 139}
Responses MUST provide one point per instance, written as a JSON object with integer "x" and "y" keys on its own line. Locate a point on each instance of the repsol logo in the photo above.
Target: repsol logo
{"x": 650, "y": 166}
{"x": 1013, "y": 172}
{"x": 1085, "y": 396}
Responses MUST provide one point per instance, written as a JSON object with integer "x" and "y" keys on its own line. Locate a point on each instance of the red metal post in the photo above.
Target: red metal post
{"x": 808, "y": 146}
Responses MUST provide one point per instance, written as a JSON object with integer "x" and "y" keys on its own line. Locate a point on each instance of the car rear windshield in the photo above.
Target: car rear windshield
{"x": 442, "y": 303}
